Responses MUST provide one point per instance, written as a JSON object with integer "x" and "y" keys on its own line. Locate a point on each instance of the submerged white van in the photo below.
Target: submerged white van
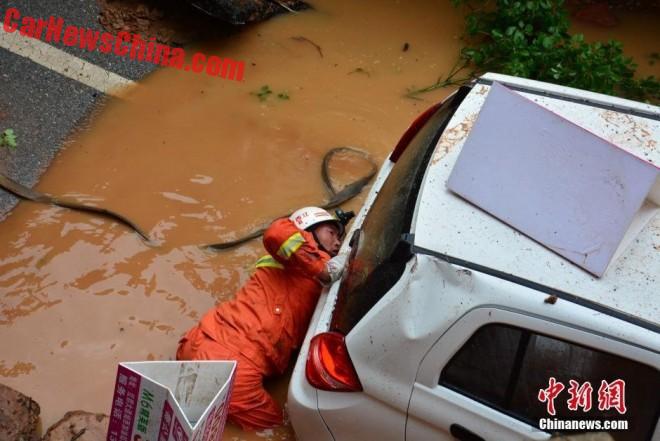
{"x": 451, "y": 323}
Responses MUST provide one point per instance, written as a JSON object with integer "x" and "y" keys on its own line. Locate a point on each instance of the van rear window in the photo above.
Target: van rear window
{"x": 371, "y": 270}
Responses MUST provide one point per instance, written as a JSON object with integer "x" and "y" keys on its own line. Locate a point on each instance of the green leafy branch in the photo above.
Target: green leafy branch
{"x": 449, "y": 80}
{"x": 265, "y": 91}
{"x": 8, "y": 139}
{"x": 530, "y": 39}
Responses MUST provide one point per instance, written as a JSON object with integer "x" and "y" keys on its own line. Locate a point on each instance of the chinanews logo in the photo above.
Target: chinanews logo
{"x": 55, "y": 30}
{"x": 610, "y": 395}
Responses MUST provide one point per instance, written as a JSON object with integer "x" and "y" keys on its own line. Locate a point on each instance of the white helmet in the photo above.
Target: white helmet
{"x": 309, "y": 216}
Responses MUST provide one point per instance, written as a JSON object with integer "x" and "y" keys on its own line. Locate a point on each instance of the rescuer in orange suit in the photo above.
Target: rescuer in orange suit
{"x": 268, "y": 318}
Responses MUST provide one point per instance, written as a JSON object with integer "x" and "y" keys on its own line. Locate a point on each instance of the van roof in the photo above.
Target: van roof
{"x": 447, "y": 224}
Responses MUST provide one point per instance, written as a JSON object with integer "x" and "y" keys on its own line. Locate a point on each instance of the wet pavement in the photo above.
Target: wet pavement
{"x": 43, "y": 107}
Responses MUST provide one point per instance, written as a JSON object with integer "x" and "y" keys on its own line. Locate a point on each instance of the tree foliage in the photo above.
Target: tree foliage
{"x": 530, "y": 39}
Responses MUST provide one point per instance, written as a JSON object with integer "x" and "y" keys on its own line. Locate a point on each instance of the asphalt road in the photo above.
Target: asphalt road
{"x": 42, "y": 106}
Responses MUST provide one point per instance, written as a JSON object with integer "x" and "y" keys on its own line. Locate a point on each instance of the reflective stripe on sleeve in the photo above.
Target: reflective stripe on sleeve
{"x": 268, "y": 261}
{"x": 291, "y": 245}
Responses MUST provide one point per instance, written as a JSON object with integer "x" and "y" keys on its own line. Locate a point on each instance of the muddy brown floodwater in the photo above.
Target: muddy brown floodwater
{"x": 194, "y": 160}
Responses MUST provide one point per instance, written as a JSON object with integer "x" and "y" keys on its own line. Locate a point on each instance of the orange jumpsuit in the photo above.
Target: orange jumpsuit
{"x": 264, "y": 323}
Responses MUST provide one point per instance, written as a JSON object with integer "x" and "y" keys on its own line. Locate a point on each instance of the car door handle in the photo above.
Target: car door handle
{"x": 461, "y": 433}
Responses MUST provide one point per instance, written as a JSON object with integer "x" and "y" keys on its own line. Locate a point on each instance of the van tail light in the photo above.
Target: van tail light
{"x": 329, "y": 367}
{"x": 412, "y": 131}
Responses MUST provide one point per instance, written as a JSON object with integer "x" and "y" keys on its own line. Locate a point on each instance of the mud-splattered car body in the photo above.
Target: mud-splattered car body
{"x": 448, "y": 324}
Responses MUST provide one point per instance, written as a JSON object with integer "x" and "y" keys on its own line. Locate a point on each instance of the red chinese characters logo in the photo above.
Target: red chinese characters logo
{"x": 610, "y": 395}
{"x": 548, "y": 395}
{"x": 580, "y": 396}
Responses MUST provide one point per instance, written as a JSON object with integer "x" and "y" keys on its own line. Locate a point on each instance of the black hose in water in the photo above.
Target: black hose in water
{"x": 336, "y": 198}
{"x": 29, "y": 194}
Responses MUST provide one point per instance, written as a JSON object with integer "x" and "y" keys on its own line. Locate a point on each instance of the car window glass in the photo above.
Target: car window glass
{"x": 370, "y": 273}
{"x": 505, "y": 367}
{"x": 472, "y": 366}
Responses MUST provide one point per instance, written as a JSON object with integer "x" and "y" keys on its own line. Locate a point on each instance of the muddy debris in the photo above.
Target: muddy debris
{"x": 247, "y": 11}
{"x": 79, "y": 425}
{"x": 19, "y": 416}
{"x": 177, "y": 22}
{"x": 302, "y": 39}
{"x": 551, "y": 299}
{"x": 171, "y": 22}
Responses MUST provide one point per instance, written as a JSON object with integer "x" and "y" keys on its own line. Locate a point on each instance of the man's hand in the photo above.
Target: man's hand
{"x": 335, "y": 267}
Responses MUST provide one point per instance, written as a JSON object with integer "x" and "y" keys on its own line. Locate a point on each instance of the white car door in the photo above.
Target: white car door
{"x": 482, "y": 378}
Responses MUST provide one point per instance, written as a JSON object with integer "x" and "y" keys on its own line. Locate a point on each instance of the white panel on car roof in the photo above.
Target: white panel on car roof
{"x": 446, "y": 223}
{"x": 554, "y": 181}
